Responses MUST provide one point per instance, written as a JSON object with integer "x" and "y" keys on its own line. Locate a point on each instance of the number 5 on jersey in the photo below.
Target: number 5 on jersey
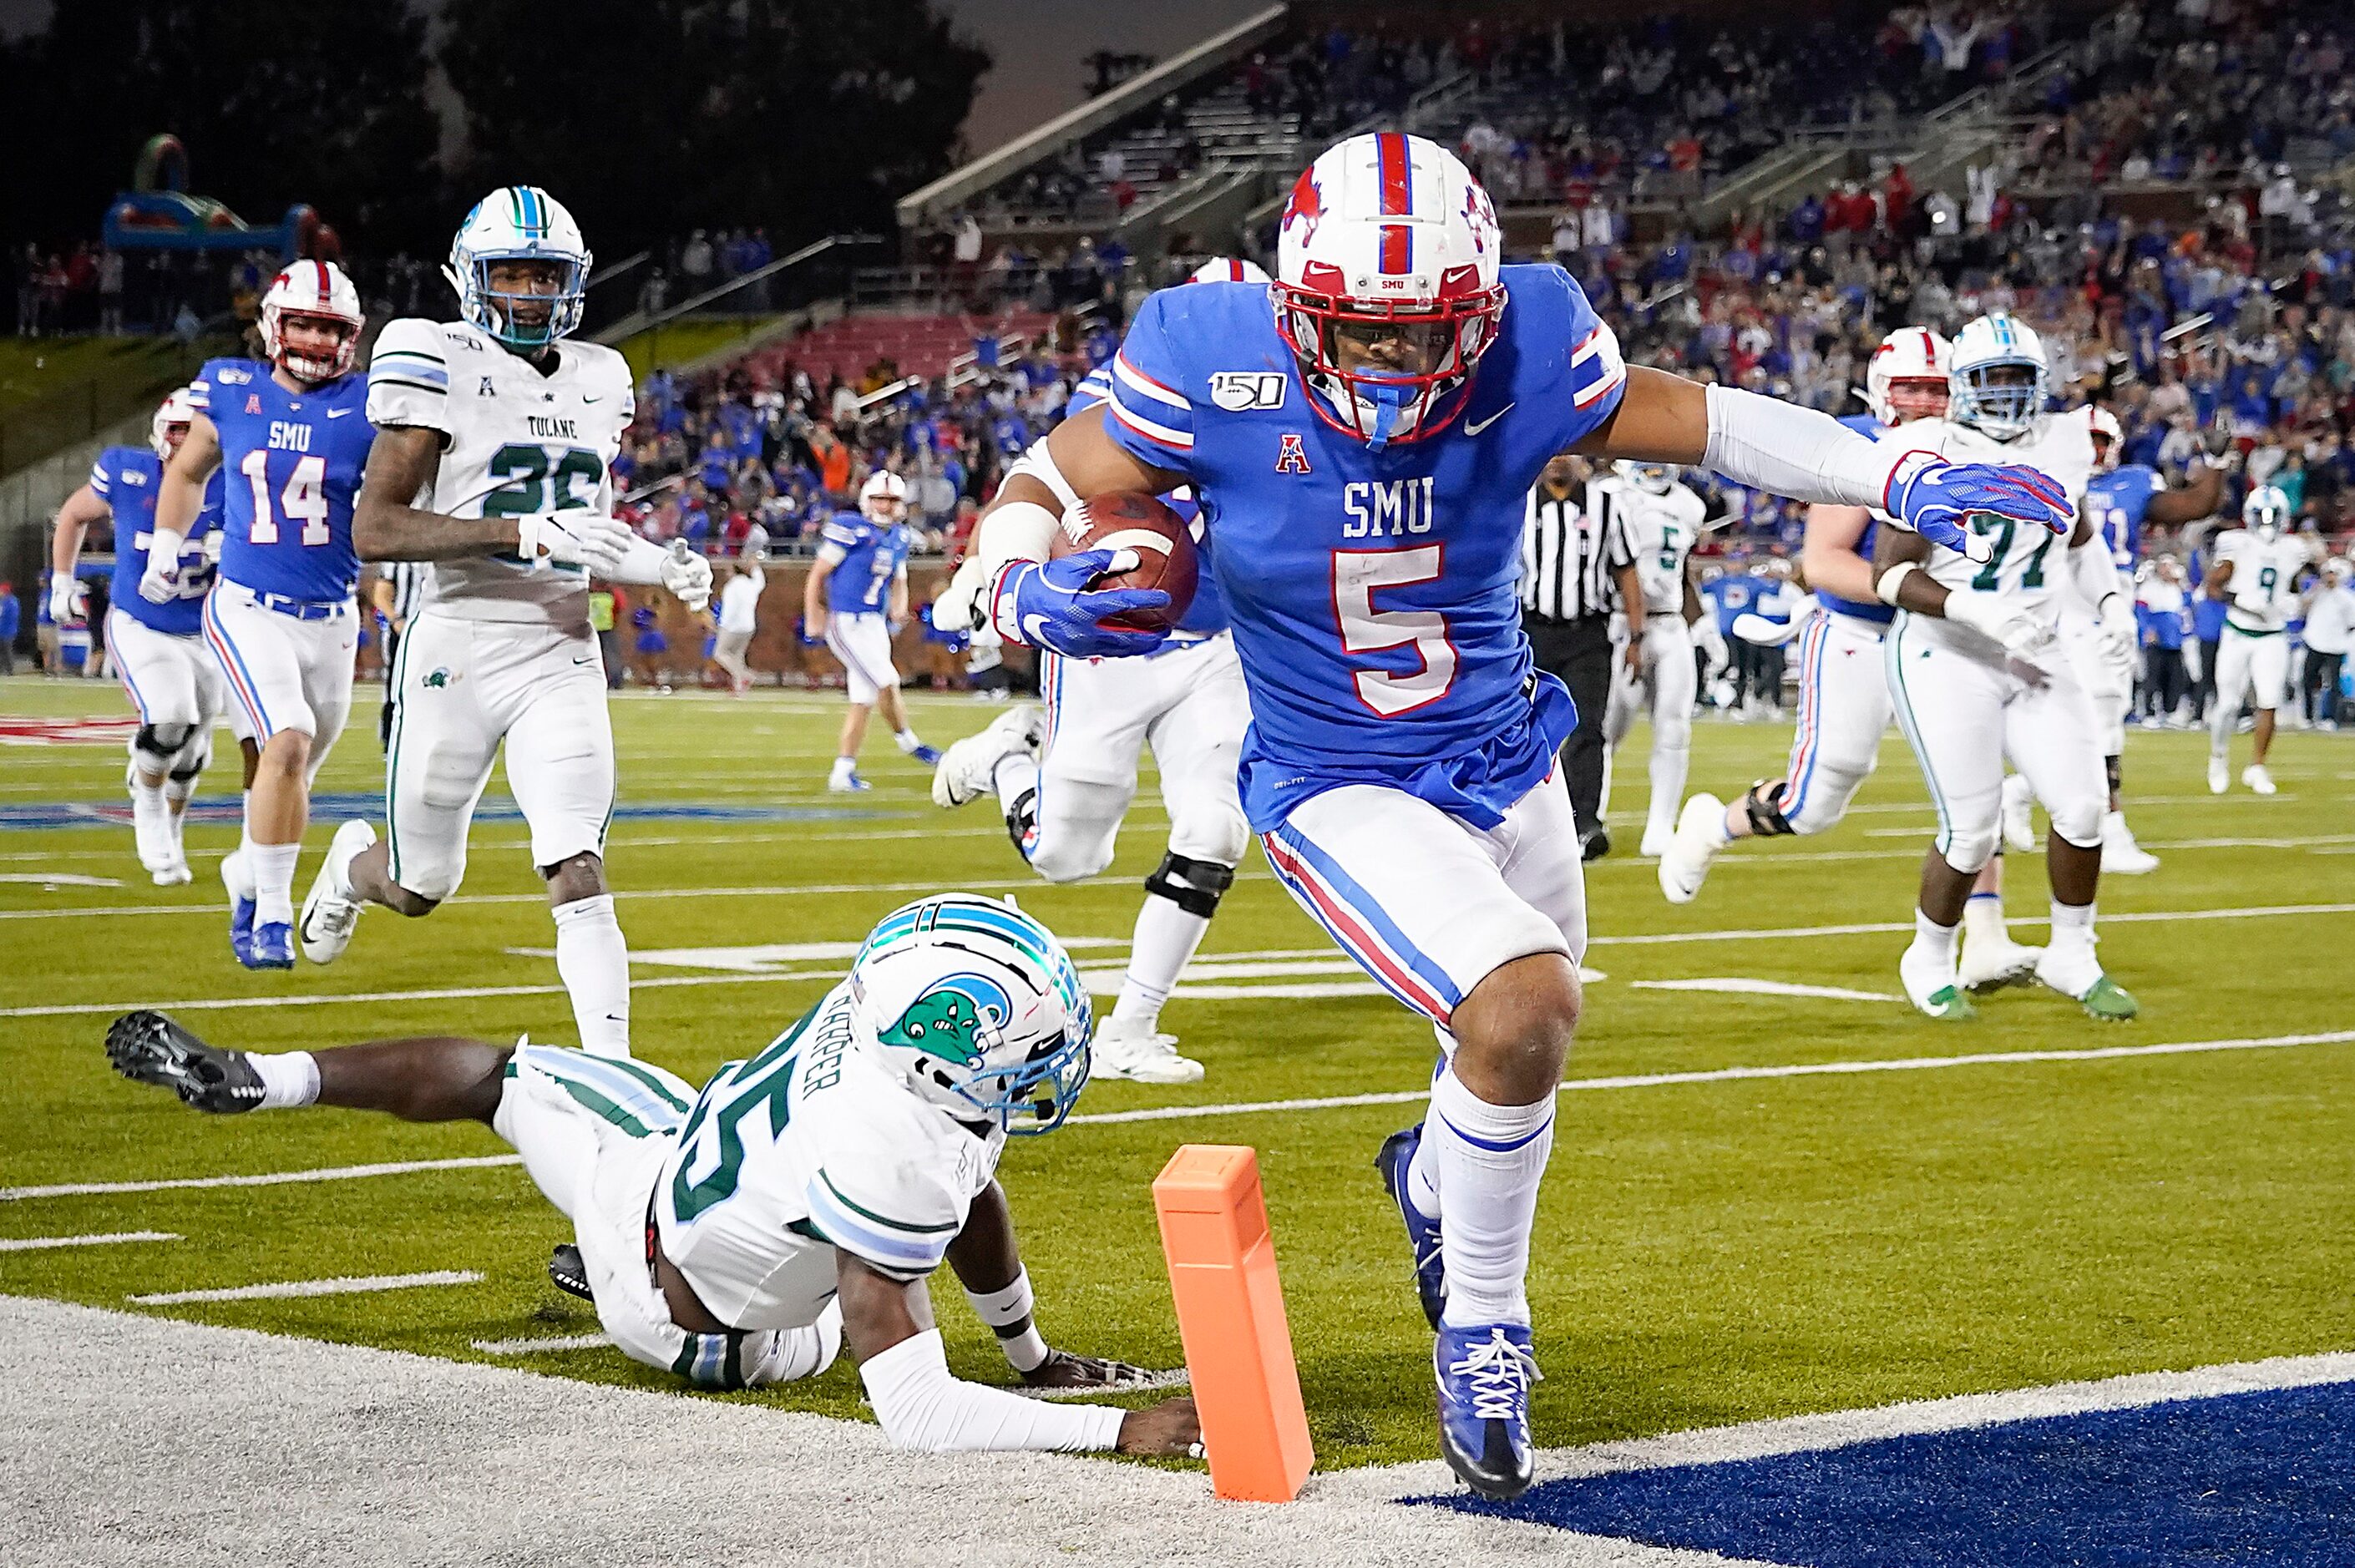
{"x": 304, "y": 497}
{"x": 1357, "y": 574}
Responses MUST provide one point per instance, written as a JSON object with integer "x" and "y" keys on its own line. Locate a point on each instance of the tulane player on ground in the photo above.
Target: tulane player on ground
{"x": 1362, "y": 438}
{"x": 741, "y": 1235}
{"x": 289, "y": 435}
{"x": 158, "y": 643}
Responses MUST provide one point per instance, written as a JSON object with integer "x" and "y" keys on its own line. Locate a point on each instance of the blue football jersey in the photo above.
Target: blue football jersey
{"x": 128, "y": 478}
{"x": 1207, "y": 615}
{"x": 1874, "y": 611}
{"x": 866, "y": 558}
{"x": 290, "y": 466}
{"x": 2117, "y": 500}
{"x": 1728, "y": 597}
{"x": 1373, "y": 592}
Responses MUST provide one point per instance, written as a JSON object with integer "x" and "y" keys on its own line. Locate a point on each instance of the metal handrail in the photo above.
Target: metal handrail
{"x": 640, "y": 321}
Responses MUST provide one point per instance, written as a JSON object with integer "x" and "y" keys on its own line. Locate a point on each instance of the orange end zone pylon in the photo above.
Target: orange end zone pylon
{"x": 1231, "y": 1315}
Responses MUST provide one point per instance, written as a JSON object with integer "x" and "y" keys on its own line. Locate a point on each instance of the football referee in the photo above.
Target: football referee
{"x": 399, "y": 587}
{"x": 1574, "y": 559}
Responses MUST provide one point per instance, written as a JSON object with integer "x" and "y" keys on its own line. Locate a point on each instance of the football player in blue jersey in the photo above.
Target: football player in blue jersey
{"x": 1064, "y": 779}
{"x": 1362, "y": 438}
{"x": 158, "y": 649}
{"x": 288, "y": 434}
{"x": 2118, "y": 501}
{"x": 856, "y": 597}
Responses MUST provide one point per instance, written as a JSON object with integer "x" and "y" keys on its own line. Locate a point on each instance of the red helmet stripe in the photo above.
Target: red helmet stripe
{"x": 1234, "y": 270}
{"x": 326, "y": 293}
{"x": 1398, "y": 188}
{"x": 1398, "y": 247}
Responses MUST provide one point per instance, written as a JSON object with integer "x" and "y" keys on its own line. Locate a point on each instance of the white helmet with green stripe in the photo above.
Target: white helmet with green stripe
{"x": 979, "y": 1008}
{"x": 519, "y": 223}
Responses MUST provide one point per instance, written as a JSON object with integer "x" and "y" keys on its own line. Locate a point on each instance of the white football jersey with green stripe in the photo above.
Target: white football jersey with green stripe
{"x": 810, "y": 1146}
{"x": 518, "y": 439}
{"x": 2030, "y": 561}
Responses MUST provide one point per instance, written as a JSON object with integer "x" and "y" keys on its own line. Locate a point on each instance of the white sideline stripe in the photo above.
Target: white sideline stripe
{"x": 533, "y": 1347}
{"x": 265, "y": 1179}
{"x": 107, "y": 1238}
{"x": 343, "y": 1285}
{"x": 1842, "y": 1429}
{"x": 1738, "y": 986}
{"x": 1331, "y": 1102}
{"x": 1880, "y": 928}
{"x": 1732, "y": 1074}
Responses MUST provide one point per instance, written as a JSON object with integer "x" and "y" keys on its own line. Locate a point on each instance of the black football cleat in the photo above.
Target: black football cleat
{"x": 150, "y": 1048}
{"x": 1422, "y": 1233}
{"x": 568, "y": 1272}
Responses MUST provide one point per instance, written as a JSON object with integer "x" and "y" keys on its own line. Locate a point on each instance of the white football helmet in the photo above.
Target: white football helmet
{"x": 518, "y": 222}
{"x": 174, "y": 412}
{"x": 2265, "y": 513}
{"x": 2106, "y": 430}
{"x": 1386, "y": 258}
{"x": 979, "y": 1008}
{"x": 1228, "y": 270}
{"x": 1907, "y": 376}
{"x": 2001, "y": 380}
{"x": 314, "y": 291}
{"x": 1652, "y": 478}
{"x": 884, "y": 497}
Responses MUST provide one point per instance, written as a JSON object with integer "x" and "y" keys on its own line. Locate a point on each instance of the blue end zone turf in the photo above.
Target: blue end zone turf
{"x": 494, "y": 808}
{"x": 2245, "y": 1479}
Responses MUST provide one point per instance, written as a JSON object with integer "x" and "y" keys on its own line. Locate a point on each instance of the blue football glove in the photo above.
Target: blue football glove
{"x": 1048, "y": 604}
{"x": 1935, "y": 498}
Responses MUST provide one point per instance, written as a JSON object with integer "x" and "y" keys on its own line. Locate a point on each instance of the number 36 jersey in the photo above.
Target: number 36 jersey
{"x": 1374, "y": 593}
{"x": 519, "y": 437}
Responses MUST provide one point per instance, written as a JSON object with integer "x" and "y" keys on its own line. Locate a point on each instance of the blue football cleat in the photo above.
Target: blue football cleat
{"x": 240, "y": 906}
{"x": 930, "y": 756}
{"x": 271, "y": 947}
{"x": 1483, "y": 1373}
{"x": 1422, "y": 1233}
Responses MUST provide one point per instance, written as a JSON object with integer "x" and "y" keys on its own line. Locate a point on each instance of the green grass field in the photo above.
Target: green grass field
{"x": 1708, "y": 1252}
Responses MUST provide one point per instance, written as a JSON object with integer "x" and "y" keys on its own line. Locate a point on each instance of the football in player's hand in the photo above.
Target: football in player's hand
{"x": 1145, "y": 525}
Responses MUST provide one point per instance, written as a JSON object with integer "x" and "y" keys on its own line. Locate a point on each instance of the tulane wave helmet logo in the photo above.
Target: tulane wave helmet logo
{"x": 954, "y": 1019}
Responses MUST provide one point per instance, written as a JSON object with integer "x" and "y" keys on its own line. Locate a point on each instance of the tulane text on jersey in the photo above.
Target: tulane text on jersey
{"x": 1373, "y": 592}
{"x": 290, "y": 466}
{"x": 127, "y": 479}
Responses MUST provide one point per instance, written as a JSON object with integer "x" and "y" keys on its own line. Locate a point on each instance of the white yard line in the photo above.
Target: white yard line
{"x": 343, "y": 1285}
{"x": 1735, "y": 985}
{"x": 264, "y": 1179}
{"x": 1838, "y": 1429}
{"x": 535, "y": 1347}
{"x": 105, "y": 1238}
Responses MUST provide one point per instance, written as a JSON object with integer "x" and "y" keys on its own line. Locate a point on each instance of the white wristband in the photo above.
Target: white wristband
{"x": 1891, "y": 580}
{"x": 1015, "y": 531}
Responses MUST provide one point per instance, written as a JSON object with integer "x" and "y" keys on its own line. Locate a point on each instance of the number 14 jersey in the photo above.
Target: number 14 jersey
{"x": 519, "y": 437}
{"x": 290, "y": 466}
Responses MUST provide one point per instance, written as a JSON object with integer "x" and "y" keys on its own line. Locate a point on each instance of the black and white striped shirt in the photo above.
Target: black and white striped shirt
{"x": 408, "y": 581}
{"x": 1570, "y": 549}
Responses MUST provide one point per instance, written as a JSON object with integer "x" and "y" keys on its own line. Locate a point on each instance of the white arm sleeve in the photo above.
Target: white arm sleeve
{"x": 1784, "y": 449}
{"x": 642, "y": 564}
{"x": 2096, "y": 574}
{"x": 920, "y": 1406}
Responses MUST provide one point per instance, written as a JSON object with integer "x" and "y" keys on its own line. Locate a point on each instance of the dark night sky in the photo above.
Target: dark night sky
{"x": 1039, "y": 45}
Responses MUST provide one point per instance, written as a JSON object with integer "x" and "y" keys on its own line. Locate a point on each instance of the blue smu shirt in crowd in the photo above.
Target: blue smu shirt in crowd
{"x": 1728, "y": 597}
{"x": 867, "y": 557}
{"x": 290, "y": 466}
{"x": 128, "y": 478}
{"x": 2116, "y": 502}
{"x": 1374, "y": 593}
{"x": 1207, "y": 615}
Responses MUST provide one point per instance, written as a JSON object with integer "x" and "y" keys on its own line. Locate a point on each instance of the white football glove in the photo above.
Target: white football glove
{"x": 63, "y": 592}
{"x": 2018, "y": 628}
{"x": 579, "y": 538}
{"x": 2119, "y": 641}
{"x": 1756, "y": 629}
{"x": 687, "y": 575}
{"x": 1711, "y": 640}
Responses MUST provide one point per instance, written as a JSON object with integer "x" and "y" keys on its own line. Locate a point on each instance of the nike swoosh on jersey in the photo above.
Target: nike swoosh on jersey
{"x": 1474, "y": 427}
{"x": 337, "y": 413}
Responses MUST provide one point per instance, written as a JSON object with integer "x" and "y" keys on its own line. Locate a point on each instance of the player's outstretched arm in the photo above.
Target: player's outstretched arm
{"x": 989, "y": 1266}
{"x": 887, "y": 1324}
{"x": 1785, "y": 449}
{"x": 2200, "y": 498}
